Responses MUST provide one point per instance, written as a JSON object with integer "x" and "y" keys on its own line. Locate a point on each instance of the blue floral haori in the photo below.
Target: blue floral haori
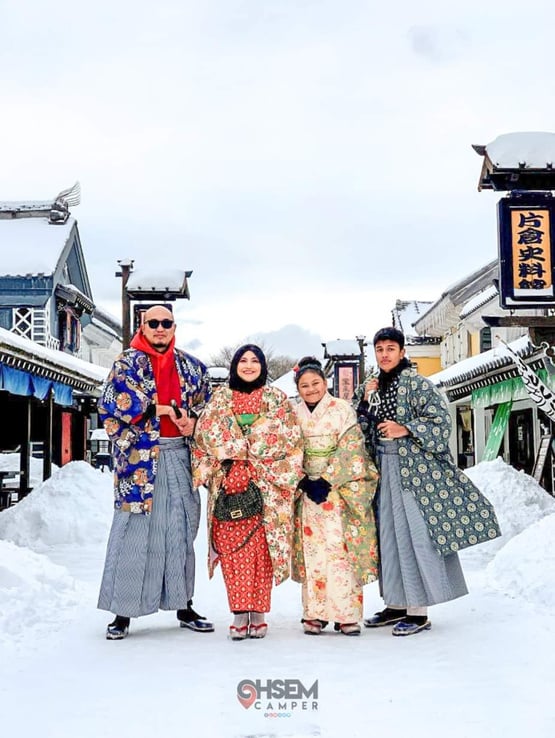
{"x": 128, "y": 392}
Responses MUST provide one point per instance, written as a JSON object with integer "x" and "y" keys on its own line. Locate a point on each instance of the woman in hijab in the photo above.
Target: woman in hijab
{"x": 248, "y": 434}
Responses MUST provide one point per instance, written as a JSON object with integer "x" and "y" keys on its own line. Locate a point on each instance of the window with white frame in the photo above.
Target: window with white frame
{"x": 32, "y": 323}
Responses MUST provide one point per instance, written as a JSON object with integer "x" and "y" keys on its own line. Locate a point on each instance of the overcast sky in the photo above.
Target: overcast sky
{"x": 309, "y": 160}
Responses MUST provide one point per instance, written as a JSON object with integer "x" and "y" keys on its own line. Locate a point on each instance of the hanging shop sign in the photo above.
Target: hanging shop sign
{"x": 526, "y": 250}
{"x": 345, "y": 380}
{"x": 544, "y": 449}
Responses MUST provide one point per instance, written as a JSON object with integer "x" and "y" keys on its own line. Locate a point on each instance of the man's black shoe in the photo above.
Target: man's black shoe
{"x": 118, "y": 630}
{"x": 188, "y": 618}
{"x": 388, "y": 616}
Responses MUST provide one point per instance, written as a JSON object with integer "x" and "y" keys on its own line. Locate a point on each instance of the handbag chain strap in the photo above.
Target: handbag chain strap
{"x": 249, "y": 535}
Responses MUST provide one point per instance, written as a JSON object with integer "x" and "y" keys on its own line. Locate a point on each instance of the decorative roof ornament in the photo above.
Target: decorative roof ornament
{"x": 59, "y": 211}
{"x": 42, "y": 208}
{"x": 71, "y": 196}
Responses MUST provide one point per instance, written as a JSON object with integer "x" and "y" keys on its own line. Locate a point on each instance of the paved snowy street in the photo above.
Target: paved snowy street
{"x": 484, "y": 669}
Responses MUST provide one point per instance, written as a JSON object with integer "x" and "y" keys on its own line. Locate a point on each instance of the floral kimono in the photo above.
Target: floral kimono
{"x": 273, "y": 446}
{"x": 334, "y": 543}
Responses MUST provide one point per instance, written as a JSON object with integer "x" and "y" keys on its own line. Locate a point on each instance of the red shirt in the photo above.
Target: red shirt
{"x": 166, "y": 378}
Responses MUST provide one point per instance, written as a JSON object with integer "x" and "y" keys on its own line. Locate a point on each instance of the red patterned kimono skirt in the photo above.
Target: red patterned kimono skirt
{"x": 247, "y": 572}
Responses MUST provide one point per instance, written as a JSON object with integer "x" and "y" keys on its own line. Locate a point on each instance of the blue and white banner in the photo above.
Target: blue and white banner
{"x": 538, "y": 391}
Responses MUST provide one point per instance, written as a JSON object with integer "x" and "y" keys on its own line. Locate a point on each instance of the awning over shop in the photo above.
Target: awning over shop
{"x": 30, "y": 369}
{"x": 508, "y": 389}
{"x": 26, "y": 384}
{"x": 492, "y": 376}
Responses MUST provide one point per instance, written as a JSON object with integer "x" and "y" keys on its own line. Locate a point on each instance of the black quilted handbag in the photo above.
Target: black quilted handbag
{"x": 240, "y": 505}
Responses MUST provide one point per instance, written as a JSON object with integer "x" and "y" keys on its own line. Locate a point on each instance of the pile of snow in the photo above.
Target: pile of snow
{"x": 74, "y": 506}
{"x": 517, "y": 498}
{"x": 34, "y": 593}
{"x": 523, "y": 563}
{"x": 525, "y": 566}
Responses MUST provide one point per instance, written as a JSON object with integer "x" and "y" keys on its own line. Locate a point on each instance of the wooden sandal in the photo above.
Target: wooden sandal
{"x": 350, "y": 629}
{"x": 238, "y": 632}
{"x": 258, "y": 630}
{"x": 312, "y": 627}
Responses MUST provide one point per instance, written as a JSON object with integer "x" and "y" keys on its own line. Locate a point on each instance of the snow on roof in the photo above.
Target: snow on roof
{"x": 533, "y": 150}
{"x": 32, "y": 245}
{"x": 440, "y": 314}
{"x": 218, "y": 372}
{"x": 107, "y": 319}
{"x": 468, "y": 281}
{"x": 99, "y": 434}
{"x": 342, "y": 347}
{"x": 495, "y": 357}
{"x": 479, "y": 300}
{"x": 74, "y": 293}
{"x": 169, "y": 279}
{"x": 58, "y": 358}
{"x": 286, "y": 383}
{"x": 104, "y": 327}
{"x": 407, "y": 312}
{"x": 75, "y": 289}
{"x": 23, "y": 206}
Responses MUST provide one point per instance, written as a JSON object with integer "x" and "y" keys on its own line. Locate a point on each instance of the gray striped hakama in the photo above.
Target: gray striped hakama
{"x": 412, "y": 572}
{"x": 150, "y": 561}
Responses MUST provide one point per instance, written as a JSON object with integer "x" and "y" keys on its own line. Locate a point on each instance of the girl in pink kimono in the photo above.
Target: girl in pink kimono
{"x": 334, "y": 541}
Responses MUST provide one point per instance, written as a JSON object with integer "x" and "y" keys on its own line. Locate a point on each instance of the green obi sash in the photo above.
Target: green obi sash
{"x": 317, "y": 451}
{"x": 245, "y": 420}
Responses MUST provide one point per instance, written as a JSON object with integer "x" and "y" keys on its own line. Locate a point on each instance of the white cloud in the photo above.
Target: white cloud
{"x": 280, "y": 150}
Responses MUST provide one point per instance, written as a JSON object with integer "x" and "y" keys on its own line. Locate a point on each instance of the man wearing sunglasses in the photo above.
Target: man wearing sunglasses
{"x": 149, "y": 406}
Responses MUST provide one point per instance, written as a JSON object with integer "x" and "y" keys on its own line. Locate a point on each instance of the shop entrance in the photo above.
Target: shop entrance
{"x": 521, "y": 440}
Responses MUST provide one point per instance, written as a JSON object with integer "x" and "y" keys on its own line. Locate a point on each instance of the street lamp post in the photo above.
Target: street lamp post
{"x": 126, "y": 267}
{"x": 361, "y": 340}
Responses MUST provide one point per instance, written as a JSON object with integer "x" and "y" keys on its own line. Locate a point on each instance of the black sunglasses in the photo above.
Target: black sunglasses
{"x": 154, "y": 323}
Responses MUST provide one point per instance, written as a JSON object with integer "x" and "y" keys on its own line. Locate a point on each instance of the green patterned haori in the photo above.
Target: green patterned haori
{"x": 456, "y": 513}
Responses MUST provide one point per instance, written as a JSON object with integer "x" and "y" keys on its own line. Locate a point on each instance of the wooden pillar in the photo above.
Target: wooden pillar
{"x": 66, "y": 445}
{"x": 480, "y": 432}
{"x": 126, "y": 267}
{"x": 25, "y": 451}
{"x": 361, "y": 340}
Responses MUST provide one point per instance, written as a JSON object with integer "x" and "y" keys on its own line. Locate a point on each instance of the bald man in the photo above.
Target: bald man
{"x": 149, "y": 406}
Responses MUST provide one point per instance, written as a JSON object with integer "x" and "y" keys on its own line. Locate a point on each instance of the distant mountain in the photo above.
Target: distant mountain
{"x": 291, "y": 340}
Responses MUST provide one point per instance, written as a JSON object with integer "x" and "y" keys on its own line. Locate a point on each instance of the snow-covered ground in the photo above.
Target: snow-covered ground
{"x": 485, "y": 669}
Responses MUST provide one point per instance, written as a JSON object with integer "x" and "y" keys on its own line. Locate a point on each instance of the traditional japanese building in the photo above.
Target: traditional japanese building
{"x": 488, "y": 399}
{"x": 345, "y": 365}
{"x": 45, "y": 294}
{"x": 218, "y": 375}
{"x": 423, "y": 350}
{"x": 46, "y": 400}
{"x": 55, "y": 344}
